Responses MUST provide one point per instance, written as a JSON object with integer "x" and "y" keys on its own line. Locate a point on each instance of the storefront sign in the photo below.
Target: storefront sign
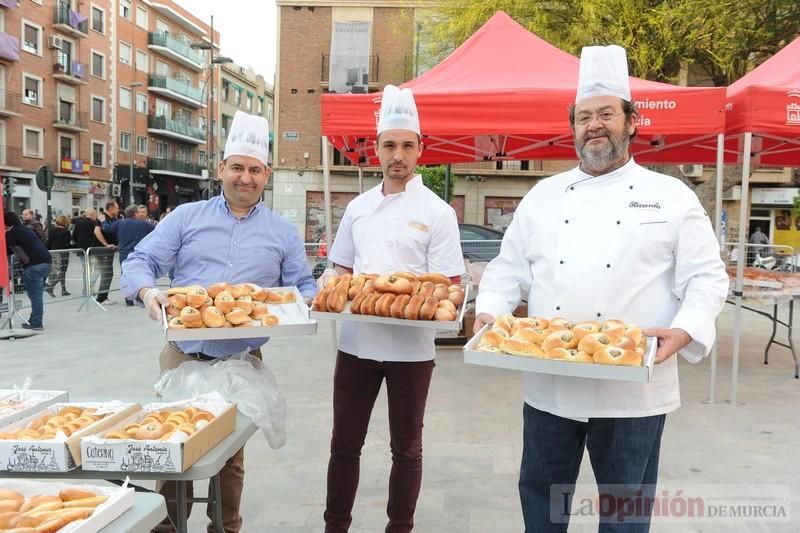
{"x": 80, "y": 186}
{"x": 774, "y": 195}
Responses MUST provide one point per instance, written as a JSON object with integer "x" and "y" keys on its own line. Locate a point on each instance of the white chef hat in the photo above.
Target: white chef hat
{"x": 603, "y": 72}
{"x": 249, "y": 135}
{"x": 398, "y": 110}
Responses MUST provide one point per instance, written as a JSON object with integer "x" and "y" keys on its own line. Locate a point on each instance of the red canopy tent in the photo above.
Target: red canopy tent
{"x": 763, "y": 114}
{"x": 505, "y": 93}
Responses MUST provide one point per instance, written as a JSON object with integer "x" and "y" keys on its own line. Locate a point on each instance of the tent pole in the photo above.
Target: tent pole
{"x": 326, "y": 182}
{"x": 712, "y": 386}
{"x": 744, "y": 212}
{"x": 360, "y": 179}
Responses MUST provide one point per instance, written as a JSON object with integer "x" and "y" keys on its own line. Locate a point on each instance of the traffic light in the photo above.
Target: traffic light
{"x": 8, "y": 187}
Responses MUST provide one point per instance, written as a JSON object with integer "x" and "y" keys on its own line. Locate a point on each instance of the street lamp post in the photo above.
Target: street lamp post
{"x": 211, "y": 122}
{"x": 132, "y": 145}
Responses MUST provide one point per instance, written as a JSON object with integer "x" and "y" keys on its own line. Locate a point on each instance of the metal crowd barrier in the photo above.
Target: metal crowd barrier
{"x": 768, "y": 256}
{"x": 10, "y": 301}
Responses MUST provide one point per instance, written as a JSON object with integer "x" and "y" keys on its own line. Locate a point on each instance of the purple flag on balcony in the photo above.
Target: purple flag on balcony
{"x": 78, "y": 70}
{"x": 9, "y": 47}
{"x": 75, "y": 18}
{"x": 13, "y": 4}
{"x": 77, "y": 166}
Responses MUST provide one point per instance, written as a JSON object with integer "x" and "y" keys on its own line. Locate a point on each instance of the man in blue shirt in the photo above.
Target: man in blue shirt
{"x": 129, "y": 231}
{"x": 233, "y": 238}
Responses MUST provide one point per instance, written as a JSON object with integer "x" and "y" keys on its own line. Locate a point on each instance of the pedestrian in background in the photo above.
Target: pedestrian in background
{"x": 102, "y": 260}
{"x": 129, "y": 232}
{"x": 30, "y": 220}
{"x": 59, "y": 239}
{"x": 32, "y": 254}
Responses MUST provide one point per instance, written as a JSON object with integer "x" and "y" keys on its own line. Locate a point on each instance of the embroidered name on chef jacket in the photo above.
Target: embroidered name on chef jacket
{"x": 636, "y": 205}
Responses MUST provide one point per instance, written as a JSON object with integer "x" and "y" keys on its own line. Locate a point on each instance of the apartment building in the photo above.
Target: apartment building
{"x": 359, "y": 47}
{"x": 241, "y": 89}
{"x": 53, "y": 110}
{"x": 162, "y": 91}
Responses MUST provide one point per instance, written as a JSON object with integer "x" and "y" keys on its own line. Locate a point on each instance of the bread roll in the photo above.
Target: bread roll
{"x": 245, "y": 303}
{"x": 518, "y": 347}
{"x": 258, "y": 294}
{"x": 368, "y": 287}
{"x": 399, "y": 305}
{"x": 178, "y": 301}
{"x": 534, "y": 335}
{"x": 213, "y": 317}
{"x": 150, "y": 431}
{"x": 6, "y": 517}
{"x": 428, "y": 309}
{"x": 626, "y": 343}
{"x": 505, "y": 322}
{"x": 426, "y": 289}
{"x": 260, "y": 309}
{"x": 410, "y": 276}
{"x": 617, "y": 356}
{"x": 331, "y": 283}
{"x": 196, "y": 296}
{"x": 216, "y": 288}
{"x": 284, "y": 297}
{"x": 191, "y": 317}
{"x": 593, "y": 342}
{"x": 236, "y": 291}
{"x": 416, "y": 286}
{"x": 613, "y": 331}
{"x": 337, "y": 298}
{"x": 392, "y": 284}
{"x": 269, "y": 320}
{"x": 7, "y": 506}
{"x": 383, "y": 306}
{"x": 237, "y": 317}
{"x": 224, "y": 301}
{"x": 441, "y": 292}
{"x": 493, "y": 337}
{"x": 556, "y": 353}
{"x": 456, "y": 294}
{"x": 584, "y": 328}
{"x": 577, "y": 356}
{"x": 435, "y": 277}
{"x": 355, "y": 305}
{"x": 8, "y": 494}
{"x": 176, "y": 290}
{"x": 559, "y": 323}
{"x": 119, "y": 435}
{"x": 559, "y": 339}
{"x": 208, "y": 303}
{"x": 356, "y": 285}
{"x": 320, "y": 301}
{"x": 40, "y": 499}
{"x": 444, "y": 314}
{"x": 176, "y": 323}
{"x": 368, "y": 304}
{"x": 411, "y": 311}
{"x": 634, "y": 332}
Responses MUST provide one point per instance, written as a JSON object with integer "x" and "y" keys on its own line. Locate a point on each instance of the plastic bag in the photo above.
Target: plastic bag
{"x": 242, "y": 379}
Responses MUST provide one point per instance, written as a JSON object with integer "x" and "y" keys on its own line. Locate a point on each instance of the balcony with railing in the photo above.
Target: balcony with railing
{"x": 9, "y": 104}
{"x": 175, "y": 129}
{"x": 174, "y": 167}
{"x": 175, "y": 49}
{"x": 65, "y": 69}
{"x": 70, "y": 21}
{"x": 9, "y": 47}
{"x": 175, "y": 89}
{"x": 70, "y": 120}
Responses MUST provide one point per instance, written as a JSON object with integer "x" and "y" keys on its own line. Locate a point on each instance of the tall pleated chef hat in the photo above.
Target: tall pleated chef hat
{"x": 249, "y": 135}
{"x": 603, "y": 72}
{"x": 398, "y": 110}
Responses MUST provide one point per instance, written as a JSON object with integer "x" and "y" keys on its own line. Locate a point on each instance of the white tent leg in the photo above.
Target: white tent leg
{"x": 360, "y": 179}
{"x": 326, "y": 183}
{"x": 740, "y": 263}
{"x": 712, "y": 386}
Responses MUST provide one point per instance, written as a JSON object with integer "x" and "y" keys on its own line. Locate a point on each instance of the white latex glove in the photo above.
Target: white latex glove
{"x": 153, "y": 300}
{"x": 326, "y": 276}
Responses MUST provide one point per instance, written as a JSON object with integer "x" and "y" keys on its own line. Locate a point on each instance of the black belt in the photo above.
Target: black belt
{"x": 200, "y": 356}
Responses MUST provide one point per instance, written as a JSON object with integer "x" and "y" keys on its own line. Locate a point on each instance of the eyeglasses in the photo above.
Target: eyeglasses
{"x": 584, "y": 119}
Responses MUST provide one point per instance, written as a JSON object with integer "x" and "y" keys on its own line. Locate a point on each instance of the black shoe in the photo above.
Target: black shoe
{"x": 34, "y": 328}
{"x": 129, "y": 303}
{"x": 50, "y": 292}
{"x": 65, "y": 292}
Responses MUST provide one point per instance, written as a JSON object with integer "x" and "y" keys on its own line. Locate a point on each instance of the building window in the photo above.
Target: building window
{"x": 125, "y": 9}
{"x": 32, "y": 141}
{"x": 98, "y": 65}
{"x": 98, "y": 154}
{"x": 141, "y": 61}
{"x": 260, "y": 106}
{"x": 125, "y": 53}
{"x": 124, "y": 141}
{"x": 141, "y": 17}
{"x": 31, "y": 38}
{"x": 32, "y": 90}
{"x": 161, "y": 150}
{"x": 98, "y": 109}
{"x": 141, "y": 144}
{"x": 66, "y": 145}
{"x": 249, "y": 103}
{"x": 201, "y": 158}
{"x": 141, "y": 103}
{"x": 98, "y": 19}
{"x": 124, "y": 98}
{"x": 163, "y": 109}
{"x": 269, "y": 112}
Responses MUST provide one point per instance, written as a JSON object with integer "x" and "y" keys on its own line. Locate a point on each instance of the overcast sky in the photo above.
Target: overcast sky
{"x": 246, "y": 29}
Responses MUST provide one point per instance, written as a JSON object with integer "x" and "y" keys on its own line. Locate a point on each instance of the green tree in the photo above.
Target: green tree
{"x": 434, "y": 178}
{"x": 724, "y": 39}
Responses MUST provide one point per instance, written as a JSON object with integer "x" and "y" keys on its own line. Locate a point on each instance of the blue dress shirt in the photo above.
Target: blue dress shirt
{"x": 207, "y": 244}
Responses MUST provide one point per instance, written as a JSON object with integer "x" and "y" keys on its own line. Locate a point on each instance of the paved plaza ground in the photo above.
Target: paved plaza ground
{"x": 472, "y": 427}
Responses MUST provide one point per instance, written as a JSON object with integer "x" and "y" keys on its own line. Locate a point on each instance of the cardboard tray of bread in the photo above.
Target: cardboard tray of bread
{"x": 49, "y": 441}
{"x": 62, "y": 507}
{"x": 17, "y": 404}
{"x": 611, "y": 351}
{"x": 242, "y": 311}
{"x": 162, "y": 437}
{"x": 427, "y": 300}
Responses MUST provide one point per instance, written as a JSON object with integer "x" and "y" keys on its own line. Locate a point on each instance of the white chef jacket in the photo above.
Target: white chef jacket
{"x": 414, "y": 231}
{"x": 631, "y": 244}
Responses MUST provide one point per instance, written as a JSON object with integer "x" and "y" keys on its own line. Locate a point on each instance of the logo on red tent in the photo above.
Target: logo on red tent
{"x": 793, "y": 109}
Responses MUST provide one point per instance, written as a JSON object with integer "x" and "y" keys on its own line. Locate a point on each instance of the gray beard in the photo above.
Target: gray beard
{"x": 598, "y": 161}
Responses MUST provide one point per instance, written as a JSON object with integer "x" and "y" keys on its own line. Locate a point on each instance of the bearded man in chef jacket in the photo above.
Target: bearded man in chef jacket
{"x": 608, "y": 239}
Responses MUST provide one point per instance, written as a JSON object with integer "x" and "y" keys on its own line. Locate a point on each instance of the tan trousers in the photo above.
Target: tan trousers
{"x": 231, "y": 476}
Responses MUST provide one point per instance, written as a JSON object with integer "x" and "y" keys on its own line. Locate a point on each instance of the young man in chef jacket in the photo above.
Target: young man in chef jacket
{"x": 608, "y": 239}
{"x": 399, "y": 225}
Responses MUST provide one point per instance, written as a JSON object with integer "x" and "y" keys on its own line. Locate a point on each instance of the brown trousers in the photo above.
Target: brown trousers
{"x": 356, "y": 383}
{"x": 231, "y": 476}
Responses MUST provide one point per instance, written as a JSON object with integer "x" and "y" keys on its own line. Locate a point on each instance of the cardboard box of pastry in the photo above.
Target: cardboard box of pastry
{"x": 346, "y": 315}
{"x": 81, "y": 508}
{"x": 49, "y": 441}
{"x": 18, "y": 404}
{"x": 156, "y": 440}
{"x": 498, "y": 359}
{"x": 290, "y": 318}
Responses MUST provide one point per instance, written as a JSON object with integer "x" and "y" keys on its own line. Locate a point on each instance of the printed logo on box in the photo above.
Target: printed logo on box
{"x": 32, "y": 458}
{"x": 147, "y": 458}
